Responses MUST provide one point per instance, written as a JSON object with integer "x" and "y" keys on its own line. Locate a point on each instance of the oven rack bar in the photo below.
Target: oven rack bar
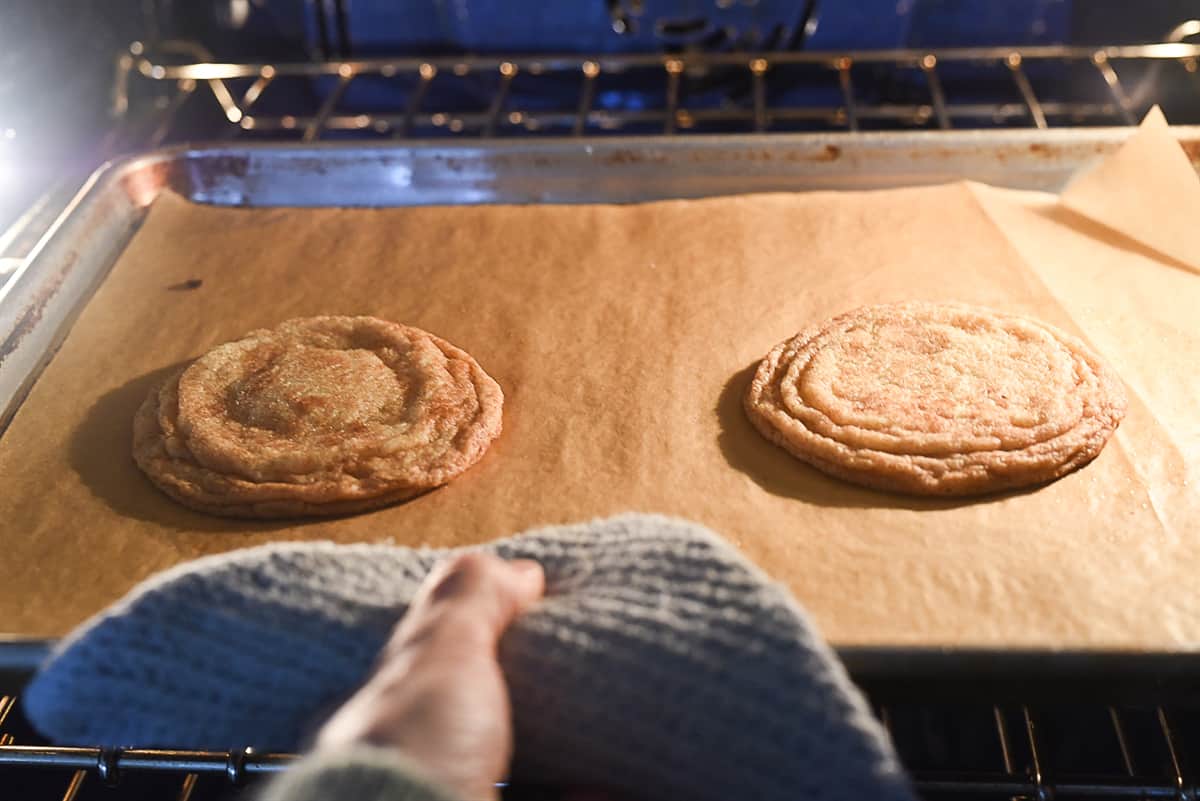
{"x": 1029, "y": 776}
{"x": 186, "y": 70}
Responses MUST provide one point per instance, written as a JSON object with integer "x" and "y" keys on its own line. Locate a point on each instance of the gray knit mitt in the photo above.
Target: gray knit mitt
{"x": 661, "y": 662}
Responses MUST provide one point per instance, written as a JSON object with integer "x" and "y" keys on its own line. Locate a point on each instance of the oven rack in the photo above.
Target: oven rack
{"x": 182, "y": 70}
{"x": 1021, "y": 752}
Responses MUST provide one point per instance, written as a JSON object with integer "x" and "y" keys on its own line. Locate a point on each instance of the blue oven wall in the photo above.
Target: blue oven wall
{"x": 379, "y": 26}
{"x": 482, "y": 26}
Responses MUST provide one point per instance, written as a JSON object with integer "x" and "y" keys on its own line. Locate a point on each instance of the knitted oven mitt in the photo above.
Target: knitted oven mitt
{"x": 661, "y": 662}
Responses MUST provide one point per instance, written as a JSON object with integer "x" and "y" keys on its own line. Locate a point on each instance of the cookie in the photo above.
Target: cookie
{"x": 936, "y": 399}
{"x": 318, "y": 416}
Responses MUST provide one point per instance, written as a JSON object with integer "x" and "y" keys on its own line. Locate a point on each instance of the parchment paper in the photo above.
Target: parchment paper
{"x": 624, "y": 338}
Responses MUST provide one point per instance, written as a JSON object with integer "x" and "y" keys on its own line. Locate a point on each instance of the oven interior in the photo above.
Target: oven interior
{"x": 79, "y": 85}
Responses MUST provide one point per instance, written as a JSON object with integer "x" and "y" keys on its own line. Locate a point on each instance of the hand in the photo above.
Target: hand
{"x": 438, "y": 695}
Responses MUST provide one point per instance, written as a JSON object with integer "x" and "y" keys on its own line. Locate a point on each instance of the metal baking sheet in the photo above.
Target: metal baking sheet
{"x": 39, "y": 303}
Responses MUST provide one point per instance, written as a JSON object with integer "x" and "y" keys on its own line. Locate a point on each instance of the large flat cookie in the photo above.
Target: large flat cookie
{"x": 936, "y": 399}
{"x": 319, "y": 416}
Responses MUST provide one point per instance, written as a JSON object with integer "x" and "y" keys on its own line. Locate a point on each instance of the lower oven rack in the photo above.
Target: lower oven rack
{"x": 1003, "y": 751}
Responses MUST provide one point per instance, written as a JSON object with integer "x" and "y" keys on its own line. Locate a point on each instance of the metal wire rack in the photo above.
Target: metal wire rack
{"x": 999, "y": 751}
{"x": 676, "y": 91}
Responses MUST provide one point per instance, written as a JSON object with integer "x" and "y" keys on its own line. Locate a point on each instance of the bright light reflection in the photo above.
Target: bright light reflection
{"x": 402, "y": 176}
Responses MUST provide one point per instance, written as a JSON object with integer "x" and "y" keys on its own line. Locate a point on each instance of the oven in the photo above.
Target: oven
{"x": 523, "y": 106}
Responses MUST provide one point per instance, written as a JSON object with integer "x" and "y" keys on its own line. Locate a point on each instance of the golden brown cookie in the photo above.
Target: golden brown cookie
{"x": 936, "y": 399}
{"x": 318, "y": 416}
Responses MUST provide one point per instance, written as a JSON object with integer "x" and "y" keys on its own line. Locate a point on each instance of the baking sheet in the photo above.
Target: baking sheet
{"x": 623, "y": 337}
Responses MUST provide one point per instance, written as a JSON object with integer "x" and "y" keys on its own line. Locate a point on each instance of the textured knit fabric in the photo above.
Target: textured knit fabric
{"x": 661, "y": 662}
{"x": 355, "y": 774}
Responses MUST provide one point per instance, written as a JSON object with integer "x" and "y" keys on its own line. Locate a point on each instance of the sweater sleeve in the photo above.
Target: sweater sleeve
{"x": 362, "y": 773}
